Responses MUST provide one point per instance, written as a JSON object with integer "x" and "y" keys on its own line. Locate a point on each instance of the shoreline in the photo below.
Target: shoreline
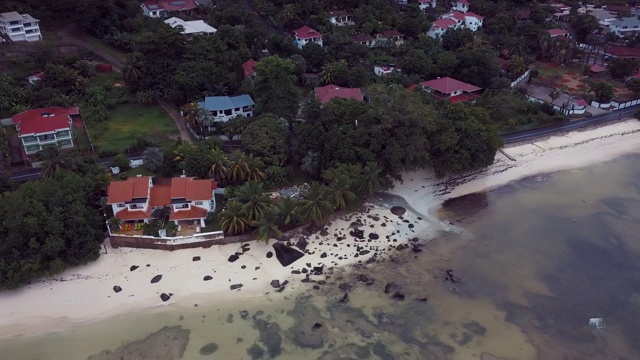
{"x": 85, "y": 294}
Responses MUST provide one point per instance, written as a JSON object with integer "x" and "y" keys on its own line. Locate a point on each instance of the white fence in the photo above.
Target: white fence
{"x": 522, "y": 77}
{"x": 574, "y": 110}
{"x": 616, "y": 105}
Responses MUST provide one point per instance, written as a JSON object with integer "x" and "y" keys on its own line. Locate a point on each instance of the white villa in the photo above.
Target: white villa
{"x": 460, "y": 5}
{"x": 19, "y": 27}
{"x": 306, "y": 35}
{"x": 191, "y": 27}
{"x": 38, "y": 128}
{"x": 225, "y": 108}
{"x": 341, "y": 18}
{"x": 625, "y": 26}
{"x": 189, "y": 199}
{"x": 426, "y": 4}
{"x": 455, "y": 20}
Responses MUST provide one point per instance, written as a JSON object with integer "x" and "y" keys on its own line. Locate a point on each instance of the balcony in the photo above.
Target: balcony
{"x": 29, "y": 140}
{"x": 46, "y": 139}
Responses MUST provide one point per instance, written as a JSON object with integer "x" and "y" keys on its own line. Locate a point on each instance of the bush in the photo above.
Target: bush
{"x": 277, "y": 176}
{"x": 140, "y": 144}
{"x": 121, "y": 161}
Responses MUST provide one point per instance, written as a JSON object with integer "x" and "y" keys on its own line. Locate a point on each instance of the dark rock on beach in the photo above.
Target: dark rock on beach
{"x": 233, "y": 258}
{"x": 269, "y": 254}
{"x": 286, "y": 255}
{"x": 133, "y": 267}
{"x": 235, "y": 286}
{"x": 390, "y": 287}
{"x": 207, "y": 278}
{"x": 156, "y": 279}
{"x": 398, "y": 210}
{"x": 244, "y": 314}
{"x": 398, "y": 295}
{"x": 208, "y": 349}
{"x": 165, "y": 297}
{"x": 302, "y": 244}
{"x": 275, "y": 284}
{"x": 117, "y": 289}
{"x": 196, "y": 258}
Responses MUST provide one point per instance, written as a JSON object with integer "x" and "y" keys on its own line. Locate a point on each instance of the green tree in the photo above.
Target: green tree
{"x": 584, "y": 25}
{"x": 517, "y": 66}
{"x": 64, "y": 79}
{"x": 633, "y": 85}
{"x": 314, "y": 55}
{"x": 219, "y": 165}
{"x": 115, "y": 224}
{"x": 256, "y": 169}
{"x": 152, "y": 228}
{"x": 372, "y": 179}
{"x": 554, "y": 95}
{"x": 287, "y": 211}
{"x": 453, "y": 39}
{"x": 132, "y": 70}
{"x": 340, "y": 192}
{"x": 620, "y": 68}
{"x": 238, "y": 167}
{"x": 53, "y": 160}
{"x": 275, "y": 87}
{"x": 254, "y": 201}
{"x": 267, "y": 227}
{"x": 198, "y": 161}
{"x": 232, "y": 219}
{"x": 267, "y": 139}
{"x": 152, "y": 158}
{"x": 604, "y": 92}
{"x": 464, "y": 139}
{"x": 315, "y": 207}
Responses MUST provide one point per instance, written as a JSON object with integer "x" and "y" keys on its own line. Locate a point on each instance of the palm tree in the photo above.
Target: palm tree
{"x": 289, "y": 13}
{"x": 53, "y": 160}
{"x": 152, "y": 228}
{"x": 267, "y": 228}
{"x": 146, "y": 97}
{"x": 238, "y": 167}
{"x": 254, "y": 201}
{"x": 340, "y": 192}
{"x": 171, "y": 228}
{"x": 232, "y": 219}
{"x": 517, "y": 66}
{"x": 554, "y": 94}
{"x": 219, "y": 168}
{"x": 370, "y": 182}
{"x": 256, "y": 167}
{"x": 190, "y": 113}
{"x": 181, "y": 151}
{"x": 115, "y": 224}
{"x": 287, "y": 211}
{"x": 315, "y": 207}
{"x": 152, "y": 158}
{"x": 131, "y": 71}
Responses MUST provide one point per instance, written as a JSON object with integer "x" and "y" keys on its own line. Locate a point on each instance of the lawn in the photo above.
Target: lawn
{"x": 128, "y": 122}
{"x": 81, "y": 138}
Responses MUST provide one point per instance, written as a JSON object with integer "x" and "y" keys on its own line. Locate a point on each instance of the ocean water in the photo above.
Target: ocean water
{"x": 544, "y": 268}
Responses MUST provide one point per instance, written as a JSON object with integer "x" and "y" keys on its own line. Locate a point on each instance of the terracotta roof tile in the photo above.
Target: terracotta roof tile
{"x": 43, "y": 120}
{"x": 249, "y": 67}
{"x": 306, "y": 32}
{"x": 447, "y": 85}
{"x": 127, "y": 190}
{"x": 127, "y": 214}
{"x": 326, "y": 93}
{"x": 192, "y": 213}
{"x": 192, "y": 189}
{"x": 160, "y": 195}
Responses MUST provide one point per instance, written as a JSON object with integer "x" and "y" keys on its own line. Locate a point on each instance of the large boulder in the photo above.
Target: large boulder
{"x": 286, "y": 255}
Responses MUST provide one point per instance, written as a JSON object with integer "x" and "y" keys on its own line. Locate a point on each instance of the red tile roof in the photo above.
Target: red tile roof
{"x": 463, "y": 2}
{"x": 447, "y": 85}
{"x": 597, "y": 68}
{"x": 249, "y": 67}
{"x": 390, "y": 33}
{"x": 326, "y": 93}
{"x": 170, "y": 5}
{"x": 160, "y": 195}
{"x": 557, "y": 32}
{"x": 362, "y": 37}
{"x": 472, "y": 14}
{"x": 127, "y": 214}
{"x": 306, "y": 32}
{"x": 457, "y": 15}
{"x": 192, "y": 189}
{"x": 37, "y": 75}
{"x": 581, "y": 102}
{"x": 619, "y": 8}
{"x": 444, "y": 23}
{"x": 34, "y": 121}
{"x": 193, "y": 212}
{"x": 623, "y": 51}
{"x": 339, "y": 13}
{"x": 127, "y": 190}
{"x": 463, "y": 97}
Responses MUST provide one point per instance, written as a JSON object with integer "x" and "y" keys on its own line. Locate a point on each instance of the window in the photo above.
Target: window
{"x": 135, "y": 206}
{"x": 197, "y": 203}
{"x": 14, "y": 22}
{"x": 26, "y": 24}
{"x": 64, "y": 133}
{"x": 120, "y": 205}
{"x": 16, "y": 29}
{"x": 184, "y": 206}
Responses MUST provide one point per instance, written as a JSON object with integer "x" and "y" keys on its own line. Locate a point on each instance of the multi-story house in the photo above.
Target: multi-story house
{"x": 460, "y": 5}
{"x": 455, "y": 20}
{"x": 38, "y": 128}
{"x": 306, "y": 35}
{"x": 625, "y": 26}
{"x": 225, "y": 108}
{"x": 19, "y": 27}
{"x": 188, "y": 199}
{"x": 162, "y": 8}
{"x": 341, "y": 18}
{"x": 192, "y": 27}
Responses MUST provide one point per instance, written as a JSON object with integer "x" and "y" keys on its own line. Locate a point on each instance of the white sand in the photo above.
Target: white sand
{"x": 85, "y": 294}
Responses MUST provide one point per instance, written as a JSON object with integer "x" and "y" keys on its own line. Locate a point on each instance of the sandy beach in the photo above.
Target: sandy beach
{"x": 86, "y": 294}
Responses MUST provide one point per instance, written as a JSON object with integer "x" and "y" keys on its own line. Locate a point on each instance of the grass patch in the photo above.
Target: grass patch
{"x": 141, "y": 170}
{"x": 128, "y": 122}
{"x": 10, "y": 130}
{"x": 99, "y": 44}
{"x": 81, "y": 139}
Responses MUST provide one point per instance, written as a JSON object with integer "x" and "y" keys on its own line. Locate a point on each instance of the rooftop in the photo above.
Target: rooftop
{"x": 226, "y": 102}
{"x": 390, "y": 33}
{"x": 447, "y": 85}
{"x": 192, "y": 189}
{"x": 43, "y": 120}
{"x": 625, "y": 21}
{"x": 170, "y": 5}
{"x": 249, "y": 67}
{"x": 362, "y": 37}
{"x": 306, "y": 32}
{"x": 126, "y": 190}
{"x": 187, "y": 188}
{"x": 335, "y": 13}
{"x": 191, "y": 27}
{"x": 11, "y": 16}
{"x": 444, "y": 23}
{"x": 472, "y": 14}
{"x": 623, "y": 51}
{"x": 557, "y": 32}
{"x": 328, "y": 92}
{"x": 597, "y": 68}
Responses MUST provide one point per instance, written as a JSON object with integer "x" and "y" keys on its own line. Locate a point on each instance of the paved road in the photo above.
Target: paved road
{"x": 569, "y": 126}
{"x": 36, "y": 173}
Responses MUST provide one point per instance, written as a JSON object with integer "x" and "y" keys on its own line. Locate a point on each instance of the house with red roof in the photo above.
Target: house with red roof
{"x": 38, "y": 128}
{"x": 460, "y": 5}
{"x": 364, "y": 39}
{"x": 439, "y": 27}
{"x": 326, "y": 93}
{"x": 620, "y": 51}
{"x": 306, "y": 35}
{"x": 426, "y": 4}
{"x": 384, "y": 70}
{"x": 558, "y": 32}
{"x": 249, "y": 68}
{"x": 388, "y": 37}
{"x": 455, "y": 20}
{"x": 451, "y": 89}
{"x": 162, "y": 8}
{"x": 341, "y": 18}
{"x": 187, "y": 198}
{"x": 33, "y": 79}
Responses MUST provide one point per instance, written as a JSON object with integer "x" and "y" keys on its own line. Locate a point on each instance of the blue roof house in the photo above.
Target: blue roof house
{"x": 224, "y": 108}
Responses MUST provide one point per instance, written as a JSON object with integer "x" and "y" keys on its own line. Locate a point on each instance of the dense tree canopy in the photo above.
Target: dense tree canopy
{"x": 275, "y": 87}
{"x": 267, "y": 138}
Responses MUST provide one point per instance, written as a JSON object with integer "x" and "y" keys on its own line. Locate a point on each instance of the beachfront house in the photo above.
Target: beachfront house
{"x": 187, "y": 199}
{"x": 450, "y": 89}
{"x": 225, "y": 108}
{"x": 193, "y": 27}
{"x": 38, "y": 128}
{"x": 19, "y": 27}
{"x": 324, "y": 94}
{"x": 306, "y": 35}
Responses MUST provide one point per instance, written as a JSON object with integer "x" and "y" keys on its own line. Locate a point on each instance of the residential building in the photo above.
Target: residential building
{"x": 38, "y": 128}
{"x": 426, "y": 4}
{"x": 402, "y": 2}
{"x": 384, "y": 70}
{"x": 19, "y": 27}
{"x": 225, "y": 108}
{"x": 455, "y": 20}
{"x": 328, "y": 92}
{"x": 559, "y": 33}
{"x": 341, "y": 18}
{"x": 306, "y": 35}
{"x": 33, "y": 79}
{"x": 604, "y": 17}
{"x": 136, "y": 198}
{"x": 249, "y": 69}
{"x": 618, "y": 9}
{"x": 451, "y": 89}
{"x": 625, "y": 52}
{"x": 625, "y": 26}
{"x": 388, "y": 37}
{"x": 364, "y": 39}
{"x": 439, "y": 27}
{"x": 460, "y": 5}
{"x": 162, "y": 8}
{"x": 191, "y": 27}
